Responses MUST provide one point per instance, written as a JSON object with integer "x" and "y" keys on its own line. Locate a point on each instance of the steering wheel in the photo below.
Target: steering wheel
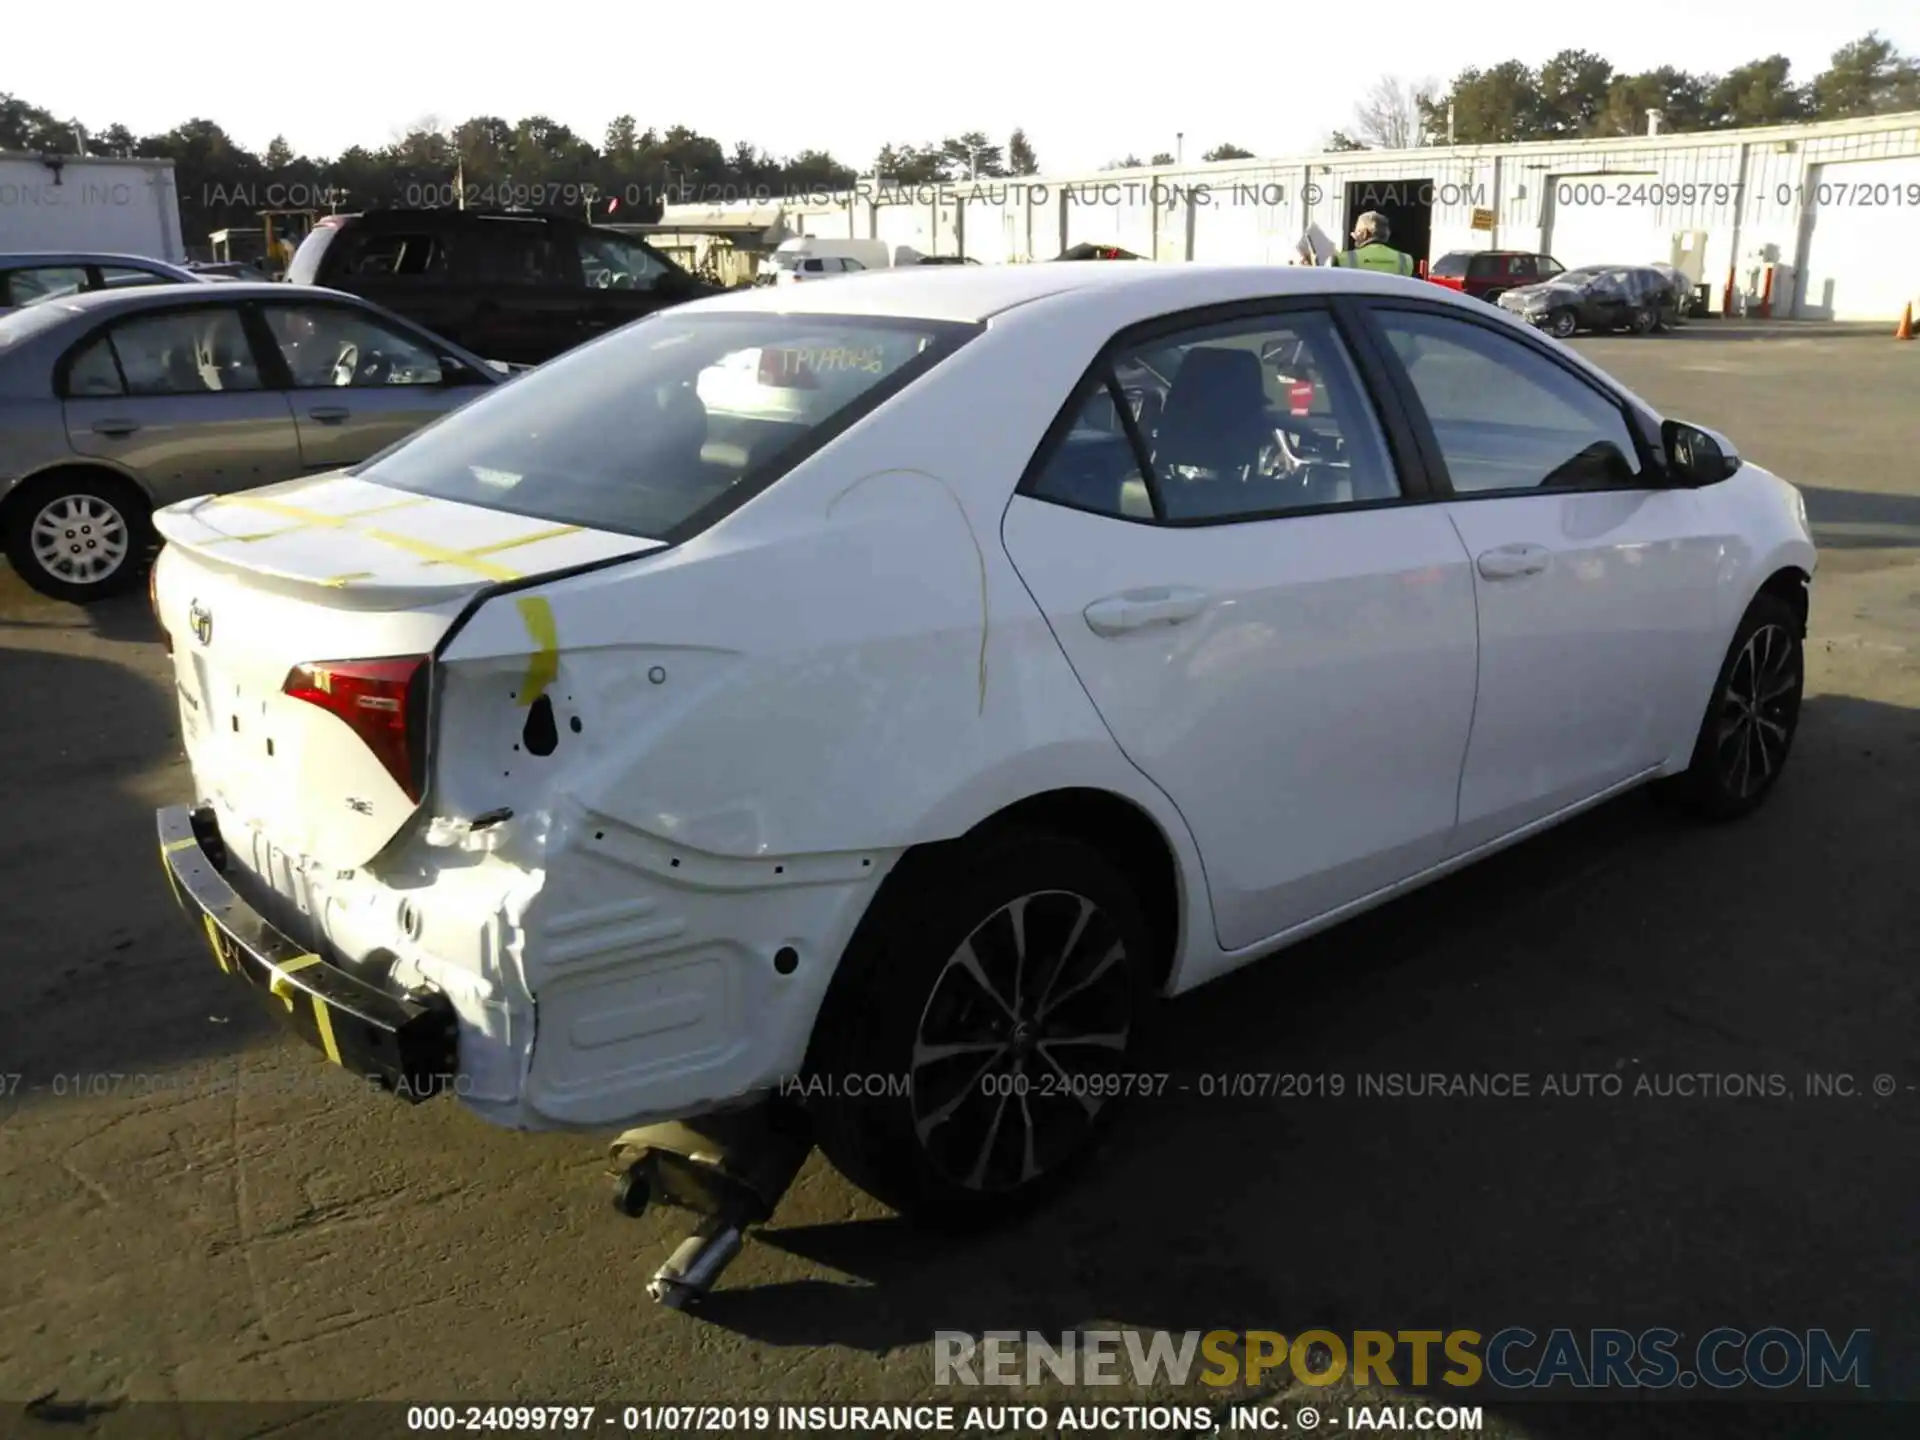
{"x": 1280, "y": 458}
{"x": 346, "y": 366}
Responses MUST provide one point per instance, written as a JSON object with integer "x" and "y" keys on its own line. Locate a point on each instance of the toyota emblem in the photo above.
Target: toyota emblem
{"x": 201, "y": 619}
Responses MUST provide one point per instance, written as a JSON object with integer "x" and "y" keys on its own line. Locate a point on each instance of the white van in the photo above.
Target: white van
{"x": 811, "y": 258}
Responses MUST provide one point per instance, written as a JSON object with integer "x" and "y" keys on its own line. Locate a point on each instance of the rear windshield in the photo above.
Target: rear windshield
{"x": 1450, "y": 267}
{"x": 663, "y": 426}
{"x": 306, "y": 260}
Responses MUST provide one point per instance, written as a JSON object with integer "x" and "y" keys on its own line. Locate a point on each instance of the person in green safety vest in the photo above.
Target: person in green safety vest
{"x": 1370, "y": 249}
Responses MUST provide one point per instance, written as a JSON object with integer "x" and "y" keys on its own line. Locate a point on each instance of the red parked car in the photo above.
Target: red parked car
{"x": 1488, "y": 274}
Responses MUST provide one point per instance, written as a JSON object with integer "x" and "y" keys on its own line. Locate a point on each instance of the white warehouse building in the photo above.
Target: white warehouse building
{"x": 1818, "y": 221}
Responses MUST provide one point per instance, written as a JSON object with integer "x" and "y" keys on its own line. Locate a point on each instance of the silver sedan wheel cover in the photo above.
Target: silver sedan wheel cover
{"x": 1001, "y": 1091}
{"x": 81, "y": 539}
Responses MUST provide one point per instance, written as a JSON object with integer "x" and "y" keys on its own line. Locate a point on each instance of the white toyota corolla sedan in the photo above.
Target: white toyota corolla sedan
{"x": 895, "y": 687}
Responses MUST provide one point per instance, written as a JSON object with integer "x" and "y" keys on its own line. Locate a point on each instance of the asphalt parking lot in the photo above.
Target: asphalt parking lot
{"x": 236, "y": 1221}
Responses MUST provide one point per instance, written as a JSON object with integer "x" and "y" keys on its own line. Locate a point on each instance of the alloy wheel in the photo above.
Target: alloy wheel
{"x": 1758, "y": 711}
{"x": 1006, "y": 1070}
{"x": 81, "y": 539}
{"x": 1563, "y": 324}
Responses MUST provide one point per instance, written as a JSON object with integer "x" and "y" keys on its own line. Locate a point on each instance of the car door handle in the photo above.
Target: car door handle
{"x": 115, "y": 427}
{"x": 328, "y": 414}
{"x": 1509, "y": 562}
{"x": 1141, "y": 609}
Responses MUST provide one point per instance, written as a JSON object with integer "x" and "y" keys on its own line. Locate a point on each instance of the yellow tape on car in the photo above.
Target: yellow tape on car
{"x": 544, "y": 663}
{"x": 438, "y": 555}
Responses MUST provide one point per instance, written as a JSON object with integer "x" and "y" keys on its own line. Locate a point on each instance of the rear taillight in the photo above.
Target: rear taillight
{"x": 786, "y": 368}
{"x": 381, "y": 701}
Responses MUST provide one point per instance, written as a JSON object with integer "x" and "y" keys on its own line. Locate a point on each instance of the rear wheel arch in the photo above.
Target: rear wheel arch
{"x": 1128, "y": 837}
{"x": 1118, "y": 828}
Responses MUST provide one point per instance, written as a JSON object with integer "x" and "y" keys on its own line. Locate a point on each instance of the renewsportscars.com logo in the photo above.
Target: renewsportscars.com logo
{"x": 1514, "y": 1358}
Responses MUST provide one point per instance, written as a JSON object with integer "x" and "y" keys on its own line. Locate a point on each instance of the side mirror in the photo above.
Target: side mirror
{"x": 1696, "y": 455}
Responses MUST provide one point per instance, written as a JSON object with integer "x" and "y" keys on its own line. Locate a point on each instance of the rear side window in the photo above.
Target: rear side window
{"x": 664, "y": 425}
{"x": 94, "y": 372}
{"x": 366, "y": 253}
{"x": 1450, "y": 267}
{"x": 46, "y": 282}
{"x": 189, "y": 352}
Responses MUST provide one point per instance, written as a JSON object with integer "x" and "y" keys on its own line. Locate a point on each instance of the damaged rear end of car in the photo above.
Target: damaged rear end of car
{"x": 413, "y": 736}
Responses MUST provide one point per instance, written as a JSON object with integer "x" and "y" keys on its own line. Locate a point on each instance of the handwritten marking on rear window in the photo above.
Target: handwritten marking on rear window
{"x": 827, "y": 359}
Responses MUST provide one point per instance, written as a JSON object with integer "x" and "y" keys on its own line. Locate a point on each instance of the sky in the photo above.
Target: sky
{"x": 1088, "y": 84}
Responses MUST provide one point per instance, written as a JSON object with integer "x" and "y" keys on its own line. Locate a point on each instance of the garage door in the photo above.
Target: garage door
{"x": 1588, "y": 225}
{"x": 1858, "y": 267}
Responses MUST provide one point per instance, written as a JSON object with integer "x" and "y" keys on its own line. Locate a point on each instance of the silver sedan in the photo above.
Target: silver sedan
{"x": 116, "y": 402}
{"x": 35, "y": 277}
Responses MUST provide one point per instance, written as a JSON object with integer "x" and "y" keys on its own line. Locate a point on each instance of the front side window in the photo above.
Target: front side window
{"x": 641, "y": 431}
{"x": 1247, "y": 419}
{"x": 612, "y": 262}
{"x": 1505, "y": 416}
{"x": 328, "y": 345}
{"x": 187, "y": 352}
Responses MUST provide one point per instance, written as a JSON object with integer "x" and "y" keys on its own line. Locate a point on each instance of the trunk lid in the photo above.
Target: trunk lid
{"x": 253, "y": 585}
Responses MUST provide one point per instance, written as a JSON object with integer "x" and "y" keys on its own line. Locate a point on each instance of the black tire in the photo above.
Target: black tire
{"x": 1756, "y": 702}
{"x": 937, "y": 1153}
{"x": 101, "y": 509}
{"x": 1642, "y": 320}
{"x": 1562, "y": 323}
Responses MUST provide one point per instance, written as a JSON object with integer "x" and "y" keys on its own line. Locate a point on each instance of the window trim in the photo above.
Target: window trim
{"x": 1641, "y": 426}
{"x": 274, "y": 364}
{"x": 1403, "y": 451}
{"x": 106, "y": 326}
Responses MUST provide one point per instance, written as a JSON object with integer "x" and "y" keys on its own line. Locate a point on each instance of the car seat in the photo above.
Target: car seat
{"x": 1211, "y": 430}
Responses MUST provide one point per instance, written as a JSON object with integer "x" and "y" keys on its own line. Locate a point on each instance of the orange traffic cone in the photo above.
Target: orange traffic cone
{"x": 1905, "y": 332}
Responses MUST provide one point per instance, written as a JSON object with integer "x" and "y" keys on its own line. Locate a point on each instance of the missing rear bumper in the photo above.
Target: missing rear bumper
{"x": 406, "y": 1044}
